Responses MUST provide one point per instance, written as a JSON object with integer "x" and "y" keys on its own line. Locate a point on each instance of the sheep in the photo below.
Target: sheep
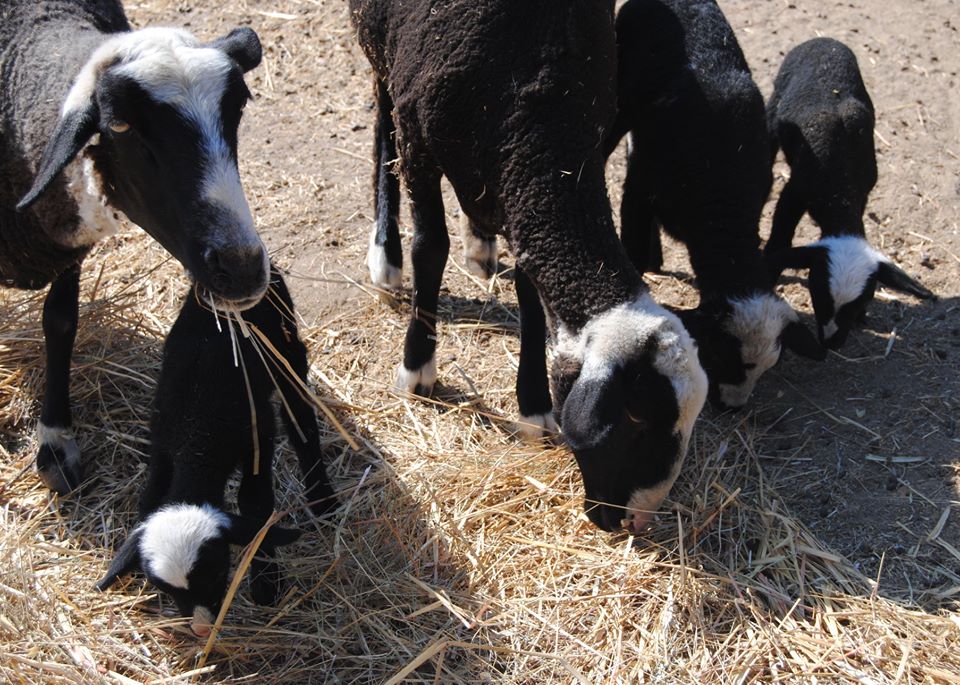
{"x": 822, "y": 117}
{"x": 509, "y": 100}
{"x": 98, "y": 120}
{"x": 698, "y": 165}
{"x": 210, "y": 417}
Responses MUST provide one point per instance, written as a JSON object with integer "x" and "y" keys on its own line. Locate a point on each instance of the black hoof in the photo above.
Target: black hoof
{"x": 56, "y": 471}
{"x": 323, "y": 501}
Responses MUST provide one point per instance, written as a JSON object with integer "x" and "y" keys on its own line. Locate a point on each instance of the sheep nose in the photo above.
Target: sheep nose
{"x": 236, "y": 272}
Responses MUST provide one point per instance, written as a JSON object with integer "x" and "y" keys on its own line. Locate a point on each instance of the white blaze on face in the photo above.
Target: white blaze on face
{"x": 757, "y": 323}
{"x": 611, "y": 339}
{"x": 172, "y": 537}
{"x": 177, "y": 70}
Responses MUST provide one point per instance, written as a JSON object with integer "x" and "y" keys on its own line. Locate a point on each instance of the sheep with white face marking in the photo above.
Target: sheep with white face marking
{"x": 821, "y": 116}
{"x": 698, "y": 164}
{"x": 203, "y": 429}
{"x": 96, "y": 121}
{"x": 509, "y": 100}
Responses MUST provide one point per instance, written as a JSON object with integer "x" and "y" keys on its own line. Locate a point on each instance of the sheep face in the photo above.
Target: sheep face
{"x": 158, "y": 113}
{"x": 740, "y": 339}
{"x": 184, "y": 550}
{"x": 630, "y": 389}
{"x": 844, "y": 273}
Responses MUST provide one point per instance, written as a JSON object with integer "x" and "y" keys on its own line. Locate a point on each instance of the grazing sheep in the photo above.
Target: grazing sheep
{"x": 509, "y": 100}
{"x": 203, "y": 429}
{"x": 822, "y": 117}
{"x": 98, "y": 120}
{"x": 698, "y": 164}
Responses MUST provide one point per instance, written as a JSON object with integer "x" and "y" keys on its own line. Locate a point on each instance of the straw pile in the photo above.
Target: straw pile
{"x": 459, "y": 555}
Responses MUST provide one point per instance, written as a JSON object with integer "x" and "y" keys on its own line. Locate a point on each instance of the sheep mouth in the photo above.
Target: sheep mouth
{"x": 229, "y": 305}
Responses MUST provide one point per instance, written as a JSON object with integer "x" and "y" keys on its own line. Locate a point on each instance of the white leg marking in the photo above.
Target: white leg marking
{"x": 537, "y": 427}
{"x": 423, "y": 378}
{"x": 382, "y": 273}
{"x": 479, "y": 255}
{"x": 62, "y": 440}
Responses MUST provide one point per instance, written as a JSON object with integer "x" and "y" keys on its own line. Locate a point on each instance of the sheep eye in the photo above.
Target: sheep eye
{"x": 749, "y": 367}
{"x": 118, "y": 126}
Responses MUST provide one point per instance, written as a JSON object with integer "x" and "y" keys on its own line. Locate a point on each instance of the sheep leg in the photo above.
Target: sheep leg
{"x": 431, "y": 245}
{"x": 790, "y": 209}
{"x": 533, "y": 392}
{"x": 639, "y": 232}
{"x": 316, "y": 484}
{"x": 384, "y": 252}
{"x": 255, "y": 500}
{"x": 58, "y": 458}
{"x": 479, "y": 250}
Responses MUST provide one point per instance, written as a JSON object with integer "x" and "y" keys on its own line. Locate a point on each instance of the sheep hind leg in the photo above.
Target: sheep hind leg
{"x": 384, "y": 251}
{"x": 533, "y": 391}
{"x": 479, "y": 250}
{"x": 431, "y": 245}
{"x": 255, "y": 500}
{"x": 58, "y": 458}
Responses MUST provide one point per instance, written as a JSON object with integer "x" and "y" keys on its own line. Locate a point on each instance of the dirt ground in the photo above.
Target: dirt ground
{"x": 863, "y": 450}
{"x": 864, "y": 446}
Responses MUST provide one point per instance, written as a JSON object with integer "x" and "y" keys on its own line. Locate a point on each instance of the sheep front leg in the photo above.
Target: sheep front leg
{"x": 384, "y": 252}
{"x": 790, "y": 209}
{"x": 316, "y": 484}
{"x": 533, "y": 391}
{"x": 431, "y": 245}
{"x": 58, "y": 458}
{"x": 639, "y": 232}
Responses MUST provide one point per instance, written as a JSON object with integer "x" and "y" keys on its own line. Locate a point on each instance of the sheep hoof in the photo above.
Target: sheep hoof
{"x": 418, "y": 381}
{"x": 58, "y": 459}
{"x": 537, "y": 427}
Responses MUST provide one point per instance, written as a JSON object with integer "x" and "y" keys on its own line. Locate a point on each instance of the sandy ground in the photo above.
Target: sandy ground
{"x": 862, "y": 449}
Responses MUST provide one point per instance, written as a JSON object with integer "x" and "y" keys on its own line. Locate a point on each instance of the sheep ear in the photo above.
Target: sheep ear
{"x": 243, "y": 530}
{"x": 76, "y": 127}
{"x": 126, "y": 560}
{"x": 242, "y": 46}
{"x": 797, "y": 338}
{"x": 892, "y": 276}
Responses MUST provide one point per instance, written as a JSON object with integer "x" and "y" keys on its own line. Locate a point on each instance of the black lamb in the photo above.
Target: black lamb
{"x": 202, "y": 430}
{"x": 698, "y": 164}
{"x": 822, "y": 117}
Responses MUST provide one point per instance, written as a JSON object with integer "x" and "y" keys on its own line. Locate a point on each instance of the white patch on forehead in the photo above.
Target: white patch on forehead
{"x": 757, "y": 322}
{"x": 852, "y": 263}
{"x": 97, "y": 218}
{"x": 177, "y": 70}
{"x": 613, "y": 338}
{"x": 172, "y": 537}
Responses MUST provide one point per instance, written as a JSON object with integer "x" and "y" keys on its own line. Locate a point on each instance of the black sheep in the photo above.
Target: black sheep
{"x": 509, "y": 100}
{"x": 698, "y": 164}
{"x": 822, "y": 117}
{"x": 95, "y": 120}
{"x": 202, "y": 430}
